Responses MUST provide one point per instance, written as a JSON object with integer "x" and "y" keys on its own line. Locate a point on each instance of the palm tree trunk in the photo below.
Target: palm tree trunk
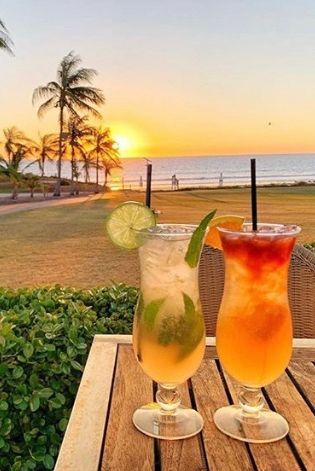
{"x": 72, "y": 170}
{"x": 58, "y": 185}
{"x": 97, "y": 162}
{"x": 105, "y": 178}
{"x": 43, "y": 167}
{"x": 14, "y": 191}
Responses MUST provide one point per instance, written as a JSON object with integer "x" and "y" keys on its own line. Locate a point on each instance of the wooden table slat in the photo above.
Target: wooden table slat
{"x": 304, "y": 374}
{"x": 289, "y": 403}
{"x": 81, "y": 446}
{"x": 277, "y": 455}
{"x": 223, "y": 453}
{"x": 182, "y": 454}
{"x": 126, "y": 448}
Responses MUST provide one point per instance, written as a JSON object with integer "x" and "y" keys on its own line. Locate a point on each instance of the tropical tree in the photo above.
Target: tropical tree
{"x": 17, "y": 148}
{"x": 78, "y": 137}
{"x": 107, "y": 165}
{"x": 5, "y": 41}
{"x": 105, "y": 153}
{"x": 71, "y": 93}
{"x": 46, "y": 150}
{"x": 32, "y": 182}
{"x": 87, "y": 163}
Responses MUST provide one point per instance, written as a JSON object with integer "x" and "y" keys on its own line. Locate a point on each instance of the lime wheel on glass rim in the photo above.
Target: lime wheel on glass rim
{"x": 124, "y": 221}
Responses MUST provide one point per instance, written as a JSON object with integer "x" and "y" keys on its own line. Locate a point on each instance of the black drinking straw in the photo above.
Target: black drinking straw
{"x": 253, "y": 193}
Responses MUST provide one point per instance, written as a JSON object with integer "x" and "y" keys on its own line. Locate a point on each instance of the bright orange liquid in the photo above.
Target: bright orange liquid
{"x": 254, "y": 330}
{"x": 166, "y": 364}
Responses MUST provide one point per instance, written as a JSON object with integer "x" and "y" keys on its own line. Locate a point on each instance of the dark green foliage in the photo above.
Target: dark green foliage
{"x": 45, "y": 336}
{"x": 310, "y": 246}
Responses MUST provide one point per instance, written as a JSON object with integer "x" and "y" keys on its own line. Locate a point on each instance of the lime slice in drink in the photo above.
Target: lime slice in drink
{"x": 124, "y": 221}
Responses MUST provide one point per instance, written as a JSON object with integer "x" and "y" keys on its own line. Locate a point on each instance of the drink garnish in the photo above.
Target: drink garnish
{"x": 195, "y": 244}
{"x": 124, "y": 221}
{"x": 228, "y": 222}
{"x": 150, "y": 312}
{"x": 186, "y": 330}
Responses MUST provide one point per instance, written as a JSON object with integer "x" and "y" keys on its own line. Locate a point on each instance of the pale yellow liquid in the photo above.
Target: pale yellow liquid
{"x": 166, "y": 364}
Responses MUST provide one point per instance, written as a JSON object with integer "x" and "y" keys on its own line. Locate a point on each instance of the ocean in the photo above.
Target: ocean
{"x": 206, "y": 171}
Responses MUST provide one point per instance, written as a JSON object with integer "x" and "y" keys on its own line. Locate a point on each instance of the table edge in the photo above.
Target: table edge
{"x": 210, "y": 341}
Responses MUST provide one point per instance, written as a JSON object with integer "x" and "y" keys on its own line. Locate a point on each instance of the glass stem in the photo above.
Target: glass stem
{"x": 168, "y": 398}
{"x": 251, "y": 401}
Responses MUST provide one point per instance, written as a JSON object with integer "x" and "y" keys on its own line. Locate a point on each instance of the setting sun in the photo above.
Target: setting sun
{"x": 131, "y": 142}
{"x": 123, "y": 143}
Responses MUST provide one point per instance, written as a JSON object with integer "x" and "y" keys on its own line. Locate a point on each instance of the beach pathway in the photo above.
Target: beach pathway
{"x": 14, "y": 208}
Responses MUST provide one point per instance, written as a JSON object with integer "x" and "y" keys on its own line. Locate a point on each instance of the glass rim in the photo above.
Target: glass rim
{"x": 151, "y": 233}
{"x": 292, "y": 230}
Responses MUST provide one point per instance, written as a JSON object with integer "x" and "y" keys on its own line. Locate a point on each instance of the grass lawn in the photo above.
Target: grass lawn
{"x": 68, "y": 245}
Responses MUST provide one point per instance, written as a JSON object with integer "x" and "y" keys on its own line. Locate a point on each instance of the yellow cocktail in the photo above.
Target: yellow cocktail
{"x": 169, "y": 333}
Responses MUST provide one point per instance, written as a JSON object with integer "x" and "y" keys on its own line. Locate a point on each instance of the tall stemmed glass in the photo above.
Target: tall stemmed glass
{"x": 254, "y": 329}
{"x": 168, "y": 332}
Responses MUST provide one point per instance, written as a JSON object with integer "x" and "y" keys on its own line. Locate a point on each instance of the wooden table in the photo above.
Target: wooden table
{"x": 101, "y": 437}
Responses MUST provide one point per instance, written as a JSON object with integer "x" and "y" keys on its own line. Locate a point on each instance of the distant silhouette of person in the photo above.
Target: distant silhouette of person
{"x": 141, "y": 182}
{"x": 221, "y": 179}
{"x": 174, "y": 182}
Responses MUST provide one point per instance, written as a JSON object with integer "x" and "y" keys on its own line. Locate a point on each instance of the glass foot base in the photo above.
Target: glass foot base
{"x": 268, "y": 427}
{"x": 184, "y": 423}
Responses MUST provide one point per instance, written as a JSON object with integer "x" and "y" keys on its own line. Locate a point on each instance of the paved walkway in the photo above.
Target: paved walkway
{"x": 14, "y": 208}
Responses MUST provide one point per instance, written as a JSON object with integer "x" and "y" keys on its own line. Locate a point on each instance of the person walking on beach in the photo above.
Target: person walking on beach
{"x": 174, "y": 182}
{"x": 221, "y": 179}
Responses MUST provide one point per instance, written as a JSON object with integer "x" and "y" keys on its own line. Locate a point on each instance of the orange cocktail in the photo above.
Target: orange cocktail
{"x": 254, "y": 329}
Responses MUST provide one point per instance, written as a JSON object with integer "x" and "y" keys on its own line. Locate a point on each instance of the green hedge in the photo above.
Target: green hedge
{"x": 45, "y": 336}
{"x": 310, "y": 246}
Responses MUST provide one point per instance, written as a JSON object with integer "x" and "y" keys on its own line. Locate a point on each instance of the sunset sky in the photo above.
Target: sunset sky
{"x": 181, "y": 77}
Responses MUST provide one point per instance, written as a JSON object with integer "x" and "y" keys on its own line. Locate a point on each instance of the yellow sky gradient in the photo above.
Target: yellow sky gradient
{"x": 180, "y": 78}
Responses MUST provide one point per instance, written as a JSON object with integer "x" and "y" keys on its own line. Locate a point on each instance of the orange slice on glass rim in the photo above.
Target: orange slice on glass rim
{"x": 229, "y": 222}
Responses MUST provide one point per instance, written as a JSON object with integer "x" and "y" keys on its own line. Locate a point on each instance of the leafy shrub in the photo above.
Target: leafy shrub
{"x": 310, "y": 246}
{"x": 45, "y": 336}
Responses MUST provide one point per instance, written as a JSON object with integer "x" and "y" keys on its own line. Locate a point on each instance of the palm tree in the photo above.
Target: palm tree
{"x": 46, "y": 150}
{"x": 17, "y": 148}
{"x": 69, "y": 93}
{"x": 78, "y": 136}
{"x": 87, "y": 164}
{"x": 32, "y": 182}
{"x": 108, "y": 165}
{"x": 5, "y": 41}
{"x": 104, "y": 152}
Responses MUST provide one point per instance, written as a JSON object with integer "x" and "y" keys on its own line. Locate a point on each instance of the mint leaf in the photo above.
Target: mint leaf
{"x": 195, "y": 244}
{"x": 186, "y": 330}
{"x": 150, "y": 312}
{"x": 194, "y": 327}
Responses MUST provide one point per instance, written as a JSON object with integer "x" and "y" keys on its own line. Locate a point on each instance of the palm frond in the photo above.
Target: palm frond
{"x": 44, "y": 107}
{"x": 92, "y": 95}
{"x": 5, "y": 41}
{"x": 81, "y": 75}
{"x": 80, "y": 105}
{"x": 45, "y": 91}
